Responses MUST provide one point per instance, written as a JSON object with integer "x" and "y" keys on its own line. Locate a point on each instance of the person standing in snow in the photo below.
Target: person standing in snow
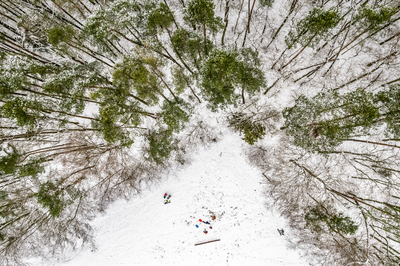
{"x": 201, "y": 221}
{"x": 205, "y": 231}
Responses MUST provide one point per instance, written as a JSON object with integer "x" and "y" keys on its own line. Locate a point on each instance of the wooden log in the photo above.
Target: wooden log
{"x": 207, "y": 242}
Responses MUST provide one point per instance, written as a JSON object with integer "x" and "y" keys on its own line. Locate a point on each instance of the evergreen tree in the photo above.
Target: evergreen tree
{"x": 59, "y": 36}
{"x": 107, "y": 25}
{"x": 322, "y": 122}
{"x": 133, "y": 73}
{"x": 72, "y": 83}
{"x": 371, "y": 19}
{"x": 389, "y": 102}
{"x": 267, "y": 3}
{"x": 33, "y": 167}
{"x": 49, "y": 91}
{"x": 190, "y": 46}
{"x": 313, "y": 28}
{"x": 26, "y": 113}
{"x": 200, "y": 13}
{"x": 50, "y": 197}
{"x": 158, "y": 18}
{"x": 180, "y": 80}
{"x": 219, "y": 74}
{"x": 174, "y": 114}
{"x": 161, "y": 144}
{"x": 226, "y": 70}
{"x": 108, "y": 125}
{"x": 249, "y": 75}
{"x": 319, "y": 216}
{"x": 55, "y": 197}
{"x": 15, "y": 163}
{"x": 8, "y": 163}
{"x": 252, "y": 131}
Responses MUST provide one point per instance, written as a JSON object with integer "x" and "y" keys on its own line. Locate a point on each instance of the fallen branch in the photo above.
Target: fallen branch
{"x": 207, "y": 242}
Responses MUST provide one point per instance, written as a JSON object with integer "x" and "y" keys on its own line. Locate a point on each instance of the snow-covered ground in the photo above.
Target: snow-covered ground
{"x": 145, "y": 231}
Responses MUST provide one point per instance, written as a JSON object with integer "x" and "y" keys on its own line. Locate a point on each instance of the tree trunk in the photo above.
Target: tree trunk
{"x": 226, "y": 21}
{"x": 292, "y": 6}
{"x": 248, "y": 22}
{"x": 312, "y": 38}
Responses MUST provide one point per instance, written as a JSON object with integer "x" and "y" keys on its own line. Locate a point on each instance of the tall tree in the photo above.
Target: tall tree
{"x": 200, "y": 14}
{"x": 314, "y": 27}
{"x": 323, "y": 122}
{"x": 226, "y": 70}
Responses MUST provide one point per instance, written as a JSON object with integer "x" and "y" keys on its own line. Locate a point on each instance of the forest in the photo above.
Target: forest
{"x": 98, "y": 97}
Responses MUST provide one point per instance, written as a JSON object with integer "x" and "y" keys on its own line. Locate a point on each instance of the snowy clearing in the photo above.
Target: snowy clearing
{"x": 145, "y": 231}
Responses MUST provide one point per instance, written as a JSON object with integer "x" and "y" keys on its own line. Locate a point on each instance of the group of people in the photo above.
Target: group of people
{"x": 167, "y": 201}
{"x": 167, "y": 198}
{"x": 205, "y": 222}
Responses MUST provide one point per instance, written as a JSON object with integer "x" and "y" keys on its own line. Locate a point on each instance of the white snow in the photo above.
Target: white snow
{"x": 145, "y": 231}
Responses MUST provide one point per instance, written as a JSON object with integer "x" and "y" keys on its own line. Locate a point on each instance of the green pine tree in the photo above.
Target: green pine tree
{"x": 322, "y": 122}
{"x": 200, "y": 13}
{"x": 224, "y": 71}
{"x": 252, "y": 131}
{"x": 161, "y": 144}
{"x": 371, "y": 19}
{"x": 190, "y": 46}
{"x": 313, "y": 28}
{"x": 109, "y": 125}
{"x": 159, "y": 18}
{"x": 134, "y": 73}
{"x": 174, "y": 114}
{"x": 267, "y": 3}
{"x": 49, "y": 196}
{"x": 9, "y": 162}
{"x": 389, "y": 102}
{"x": 318, "y": 217}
